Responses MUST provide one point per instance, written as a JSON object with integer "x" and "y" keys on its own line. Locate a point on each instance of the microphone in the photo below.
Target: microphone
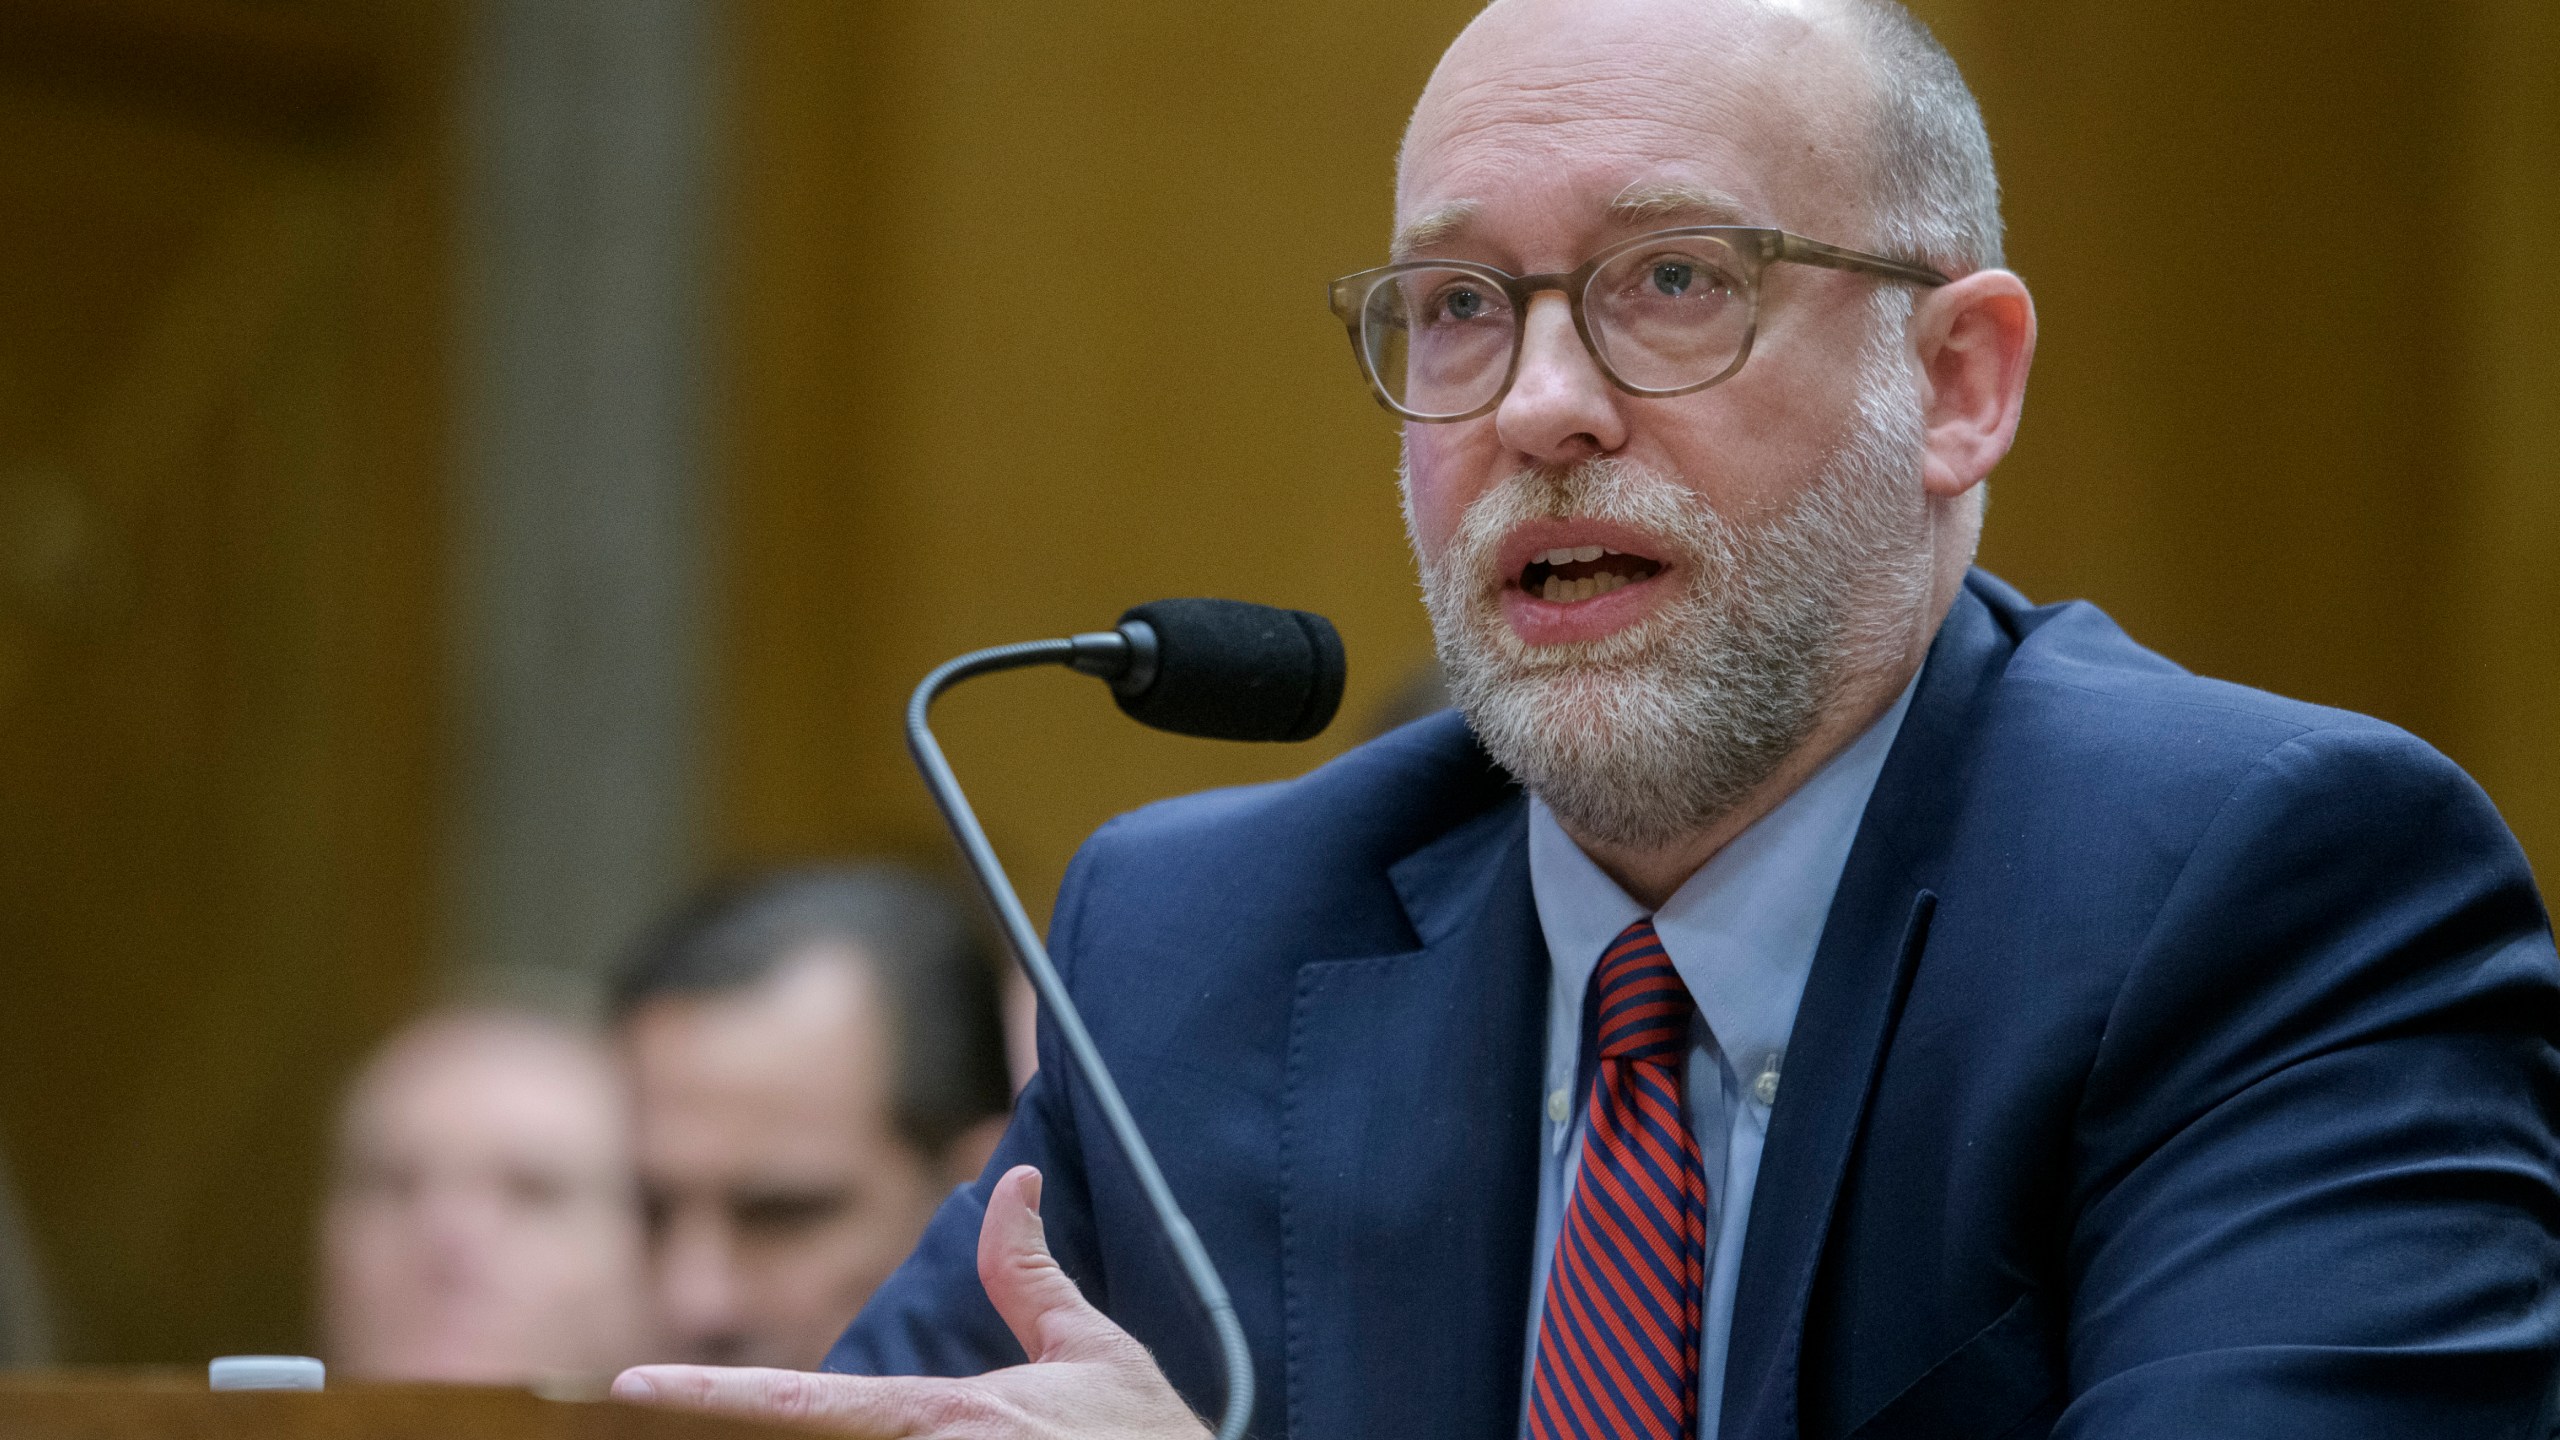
{"x": 1220, "y": 669}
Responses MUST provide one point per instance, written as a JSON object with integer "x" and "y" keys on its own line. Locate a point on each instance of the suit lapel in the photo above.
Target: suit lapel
{"x": 1409, "y": 1153}
{"x": 1871, "y": 947}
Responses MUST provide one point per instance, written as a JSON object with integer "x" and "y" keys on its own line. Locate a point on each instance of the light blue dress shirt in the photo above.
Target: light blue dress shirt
{"x": 1742, "y": 933}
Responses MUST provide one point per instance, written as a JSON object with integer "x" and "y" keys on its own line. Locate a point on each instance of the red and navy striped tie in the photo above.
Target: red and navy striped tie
{"x": 1618, "y": 1340}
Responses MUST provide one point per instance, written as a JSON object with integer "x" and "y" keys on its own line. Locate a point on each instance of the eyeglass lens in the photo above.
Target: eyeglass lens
{"x": 1664, "y": 316}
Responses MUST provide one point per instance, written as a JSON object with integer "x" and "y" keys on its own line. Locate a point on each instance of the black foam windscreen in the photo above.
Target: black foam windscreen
{"x": 1228, "y": 670}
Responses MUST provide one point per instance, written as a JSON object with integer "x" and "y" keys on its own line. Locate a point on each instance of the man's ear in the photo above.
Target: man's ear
{"x": 1975, "y": 339}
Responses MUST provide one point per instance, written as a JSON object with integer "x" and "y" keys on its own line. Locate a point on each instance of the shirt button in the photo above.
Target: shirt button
{"x": 1559, "y": 1106}
{"x": 1764, "y": 1088}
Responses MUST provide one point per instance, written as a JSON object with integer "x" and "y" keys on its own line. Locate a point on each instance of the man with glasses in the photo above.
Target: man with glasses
{"x": 1852, "y": 1000}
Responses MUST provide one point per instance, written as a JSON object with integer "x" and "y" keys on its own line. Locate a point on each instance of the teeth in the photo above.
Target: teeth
{"x": 1556, "y": 590}
{"x": 1573, "y": 555}
{"x": 1560, "y": 591}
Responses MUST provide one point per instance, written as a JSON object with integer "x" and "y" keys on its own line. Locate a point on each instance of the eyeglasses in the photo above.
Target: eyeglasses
{"x": 1663, "y": 314}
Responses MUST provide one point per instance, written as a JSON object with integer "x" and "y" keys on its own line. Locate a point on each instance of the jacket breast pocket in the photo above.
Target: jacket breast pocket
{"x": 2005, "y": 1383}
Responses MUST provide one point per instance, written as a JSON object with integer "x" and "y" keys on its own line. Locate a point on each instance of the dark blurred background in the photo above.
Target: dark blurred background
{"x": 468, "y": 470}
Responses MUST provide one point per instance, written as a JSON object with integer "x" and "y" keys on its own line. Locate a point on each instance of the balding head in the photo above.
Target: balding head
{"x": 1871, "y": 135}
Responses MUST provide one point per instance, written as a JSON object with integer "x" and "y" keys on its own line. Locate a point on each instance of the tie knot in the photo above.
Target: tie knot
{"x": 1643, "y": 1008}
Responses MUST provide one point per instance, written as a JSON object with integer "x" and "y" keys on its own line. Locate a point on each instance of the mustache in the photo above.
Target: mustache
{"x": 1604, "y": 490}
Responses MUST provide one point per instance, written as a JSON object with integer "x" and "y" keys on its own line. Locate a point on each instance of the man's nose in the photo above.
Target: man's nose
{"x": 461, "y": 1218}
{"x": 1560, "y": 408}
{"x": 698, "y": 1298}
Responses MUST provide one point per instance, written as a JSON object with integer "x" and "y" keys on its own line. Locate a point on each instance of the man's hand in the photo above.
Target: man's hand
{"x": 1087, "y": 1377}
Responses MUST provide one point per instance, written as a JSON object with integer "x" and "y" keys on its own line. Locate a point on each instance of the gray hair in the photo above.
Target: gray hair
{"x": 1937, "y": 196}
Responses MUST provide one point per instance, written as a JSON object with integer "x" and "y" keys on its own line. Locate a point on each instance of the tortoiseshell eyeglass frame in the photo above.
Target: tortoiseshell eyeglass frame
{"x": 1755, "y": 248}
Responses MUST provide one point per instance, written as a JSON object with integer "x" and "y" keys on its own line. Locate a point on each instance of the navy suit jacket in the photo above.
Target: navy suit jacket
{"x": 2178, "y": 1060}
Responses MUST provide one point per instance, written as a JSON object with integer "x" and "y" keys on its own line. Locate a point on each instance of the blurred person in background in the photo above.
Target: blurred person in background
{"x": 818, "y": 1057}
{"x": 481, "y": 1224}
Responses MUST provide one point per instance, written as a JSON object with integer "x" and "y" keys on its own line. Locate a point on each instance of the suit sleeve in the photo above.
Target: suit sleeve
{"x": 932, "y": 1316}
{"x": 2316, "y": 1152}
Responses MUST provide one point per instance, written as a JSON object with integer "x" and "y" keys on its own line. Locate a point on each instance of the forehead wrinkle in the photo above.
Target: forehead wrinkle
{"x": 1549, "y": 94}
{"x": 1540, "y": 92}
{"x": 1780, "y": 86}
{"x": 1487, "y": 129}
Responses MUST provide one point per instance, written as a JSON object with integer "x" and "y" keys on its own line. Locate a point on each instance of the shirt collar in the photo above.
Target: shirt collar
{"x": 1743, "y": 930}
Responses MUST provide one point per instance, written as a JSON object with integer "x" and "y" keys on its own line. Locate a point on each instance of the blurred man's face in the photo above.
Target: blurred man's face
{"x": 778, "y": 1192}
{"x": 480, "y": 1225}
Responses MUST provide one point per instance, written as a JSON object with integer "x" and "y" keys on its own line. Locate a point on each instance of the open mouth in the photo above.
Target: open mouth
{"x": 1568, "y": 574}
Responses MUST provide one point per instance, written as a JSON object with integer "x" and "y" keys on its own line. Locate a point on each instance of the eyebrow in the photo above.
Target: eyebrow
{"x": 1649, "y": 202}
{"x": 1431, "y": 227}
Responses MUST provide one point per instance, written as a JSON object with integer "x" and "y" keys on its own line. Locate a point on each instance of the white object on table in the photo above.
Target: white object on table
{"x": 267, "y": 1372}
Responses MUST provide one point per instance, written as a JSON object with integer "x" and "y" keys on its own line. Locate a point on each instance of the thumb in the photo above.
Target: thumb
{"x": 1043, "y": 1308}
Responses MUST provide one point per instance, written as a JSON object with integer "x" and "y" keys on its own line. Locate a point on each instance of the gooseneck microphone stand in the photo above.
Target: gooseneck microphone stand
{"x": 1111, "y": 655}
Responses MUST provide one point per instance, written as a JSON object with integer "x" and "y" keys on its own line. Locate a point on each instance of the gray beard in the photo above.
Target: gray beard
{"x": 1660, "y": 730}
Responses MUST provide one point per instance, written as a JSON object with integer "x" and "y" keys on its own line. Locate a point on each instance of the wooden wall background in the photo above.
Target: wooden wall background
{"x": 1022, "y": 323}
{"x": 1029, "y": 327}
{"x": 220, "y": 442}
